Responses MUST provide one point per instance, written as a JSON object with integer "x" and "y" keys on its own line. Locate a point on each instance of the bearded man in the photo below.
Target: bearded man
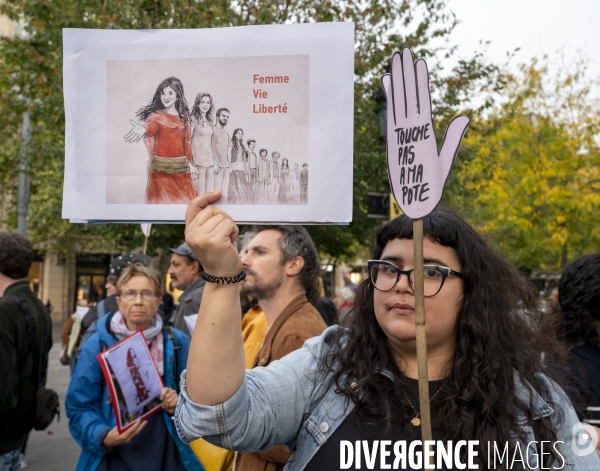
{"x": 282, "y": 270}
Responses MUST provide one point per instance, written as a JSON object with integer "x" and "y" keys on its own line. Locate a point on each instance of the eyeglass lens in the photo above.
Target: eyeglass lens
{"x": 385, "y": 276}
{"x": 131, "y": 295}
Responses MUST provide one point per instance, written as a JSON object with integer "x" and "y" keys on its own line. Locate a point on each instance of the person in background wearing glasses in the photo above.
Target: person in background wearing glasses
{"x": 486, "y": 380}
{"x": 148, "y": 445}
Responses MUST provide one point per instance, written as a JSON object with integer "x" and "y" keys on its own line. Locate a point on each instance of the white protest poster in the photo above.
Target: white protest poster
{"x": 132, "y": 378}
{"x": 263, "y": 114}
{"x": 190, "y": 322}
{"x": 417, "y": 172}
{"x": 146, "y": 229}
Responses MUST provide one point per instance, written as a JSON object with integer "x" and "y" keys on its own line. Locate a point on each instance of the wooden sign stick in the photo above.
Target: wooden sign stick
{"x": 424, "y": 403}
{"x": 146, "y": 229}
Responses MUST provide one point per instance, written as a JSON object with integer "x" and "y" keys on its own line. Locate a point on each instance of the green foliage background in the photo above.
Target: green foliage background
{"x": 529, "y": 172}
{"x": 502, "y": 147}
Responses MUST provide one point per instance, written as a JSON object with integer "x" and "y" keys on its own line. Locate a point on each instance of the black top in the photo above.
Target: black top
{"x": 587, "y": 389}
{"x": 330, "y": 454}
{"x": 166, "y": 307}
{"x": 152, "y": 449}
{"x": 18, "y": 386}
{"x": 327, "y": 309}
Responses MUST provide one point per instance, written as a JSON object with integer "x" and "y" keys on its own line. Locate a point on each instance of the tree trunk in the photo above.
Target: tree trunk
{"x": 563, "y": 258}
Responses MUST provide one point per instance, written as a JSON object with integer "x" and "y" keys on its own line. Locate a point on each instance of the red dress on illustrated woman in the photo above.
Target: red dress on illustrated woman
{"x": 168, "y": 136}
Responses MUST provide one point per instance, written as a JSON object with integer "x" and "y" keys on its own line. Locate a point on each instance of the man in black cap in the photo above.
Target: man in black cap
{"x": 186, "y": 271}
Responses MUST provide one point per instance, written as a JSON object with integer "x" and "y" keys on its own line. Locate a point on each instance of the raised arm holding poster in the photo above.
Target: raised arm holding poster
{"x": 354, "y": 396}
{"x": 154, "y": 118}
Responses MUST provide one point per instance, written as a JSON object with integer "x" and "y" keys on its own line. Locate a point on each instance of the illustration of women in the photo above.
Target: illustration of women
{"x": 295, "y": 184}
{"x": 166, "y": 133}
{"x": 141, "y": 391}
{"x": 284, "y": 186}
{"x": 263, "y": 178}
{"x": 238, "y": 188}
{"x": 202, "y": 122}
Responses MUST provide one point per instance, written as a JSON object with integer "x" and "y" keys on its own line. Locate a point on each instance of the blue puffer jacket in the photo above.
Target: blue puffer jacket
{"x": 88, "y": 405}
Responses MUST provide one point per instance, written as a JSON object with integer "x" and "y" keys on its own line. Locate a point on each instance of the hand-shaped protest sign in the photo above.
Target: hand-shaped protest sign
{"x": 417, "y": 173}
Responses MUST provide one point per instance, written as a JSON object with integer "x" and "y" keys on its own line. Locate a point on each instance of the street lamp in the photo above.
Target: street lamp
{"x": 24, "y": 183}
{"x": 23, "y": 191}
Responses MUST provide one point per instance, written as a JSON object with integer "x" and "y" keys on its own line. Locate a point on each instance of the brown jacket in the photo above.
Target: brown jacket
{"x": 65, "y": 332}
{"x": 298, "y": 322}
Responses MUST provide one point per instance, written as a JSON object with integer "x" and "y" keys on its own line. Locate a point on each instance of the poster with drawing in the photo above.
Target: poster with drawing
{"x": 263, "y": 114}
{"x": 132, "y": 379}
{"x": 248, "y": 140}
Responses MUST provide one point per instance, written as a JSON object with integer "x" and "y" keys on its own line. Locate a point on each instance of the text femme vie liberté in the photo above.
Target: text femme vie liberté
{"x": 261, "y": 94}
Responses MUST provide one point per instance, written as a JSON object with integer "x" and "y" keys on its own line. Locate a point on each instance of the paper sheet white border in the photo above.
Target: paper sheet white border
{"x": 330, "y": 47}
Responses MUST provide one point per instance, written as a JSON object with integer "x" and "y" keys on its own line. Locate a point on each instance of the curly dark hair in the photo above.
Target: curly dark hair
{"x": 237, "y": 144}
{"x": 197, "y": 114}
{"x": 16, "y": 255}
{"x": 496, "y": 338}
{"x": 295, "y": 241}
{"x": 578, "y": 297}
{"x": 156, "y": 104}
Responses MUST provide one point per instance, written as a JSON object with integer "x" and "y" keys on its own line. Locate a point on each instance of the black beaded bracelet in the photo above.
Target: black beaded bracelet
{"x": 223, "y": 279}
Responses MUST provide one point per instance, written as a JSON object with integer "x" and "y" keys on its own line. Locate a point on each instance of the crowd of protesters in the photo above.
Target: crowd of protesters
{"x": 274, "y": 375}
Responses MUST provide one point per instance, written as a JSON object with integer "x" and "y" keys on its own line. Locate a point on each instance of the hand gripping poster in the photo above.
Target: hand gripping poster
{"x": 262, "y": 114}
{"x": 133, "y": 381}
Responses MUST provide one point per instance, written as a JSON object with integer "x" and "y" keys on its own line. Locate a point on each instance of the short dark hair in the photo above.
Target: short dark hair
{"x": 16, "y": 255}
{"x": 250, "y": 140}
{"x": 191, "y": 261}
{"x": 220, "y": 110}
{"x": 275, "y": 152}
{"x": 305, "y": 165}
{"x": 578, "y": 287}
{"x": 263, "y": 150}
{"x": 112, "y": 279}
{"x": 294, "y": 242}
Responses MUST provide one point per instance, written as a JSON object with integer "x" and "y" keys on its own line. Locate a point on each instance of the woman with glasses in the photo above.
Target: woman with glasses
{"x": 148, "y": 445}
{"x": 334, "y": 400}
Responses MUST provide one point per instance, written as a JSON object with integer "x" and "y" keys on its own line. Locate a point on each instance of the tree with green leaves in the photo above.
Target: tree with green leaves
{"x": 529, "y": 170}
{"x": 31, "y": 78}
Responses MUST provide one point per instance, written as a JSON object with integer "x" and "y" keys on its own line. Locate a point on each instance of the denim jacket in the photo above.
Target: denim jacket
{"x": 283, "y": 404}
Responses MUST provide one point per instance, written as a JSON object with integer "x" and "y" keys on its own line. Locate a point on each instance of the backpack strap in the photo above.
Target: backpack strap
{"x": 100, "y": 309}
{"x": 171, "y": 334}
{"x": 32, "y": 328}
{"x": 103, "y": 348}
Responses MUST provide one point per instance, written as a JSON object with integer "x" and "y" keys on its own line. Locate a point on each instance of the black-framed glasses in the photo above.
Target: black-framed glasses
{"x": 384, "y": 276}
